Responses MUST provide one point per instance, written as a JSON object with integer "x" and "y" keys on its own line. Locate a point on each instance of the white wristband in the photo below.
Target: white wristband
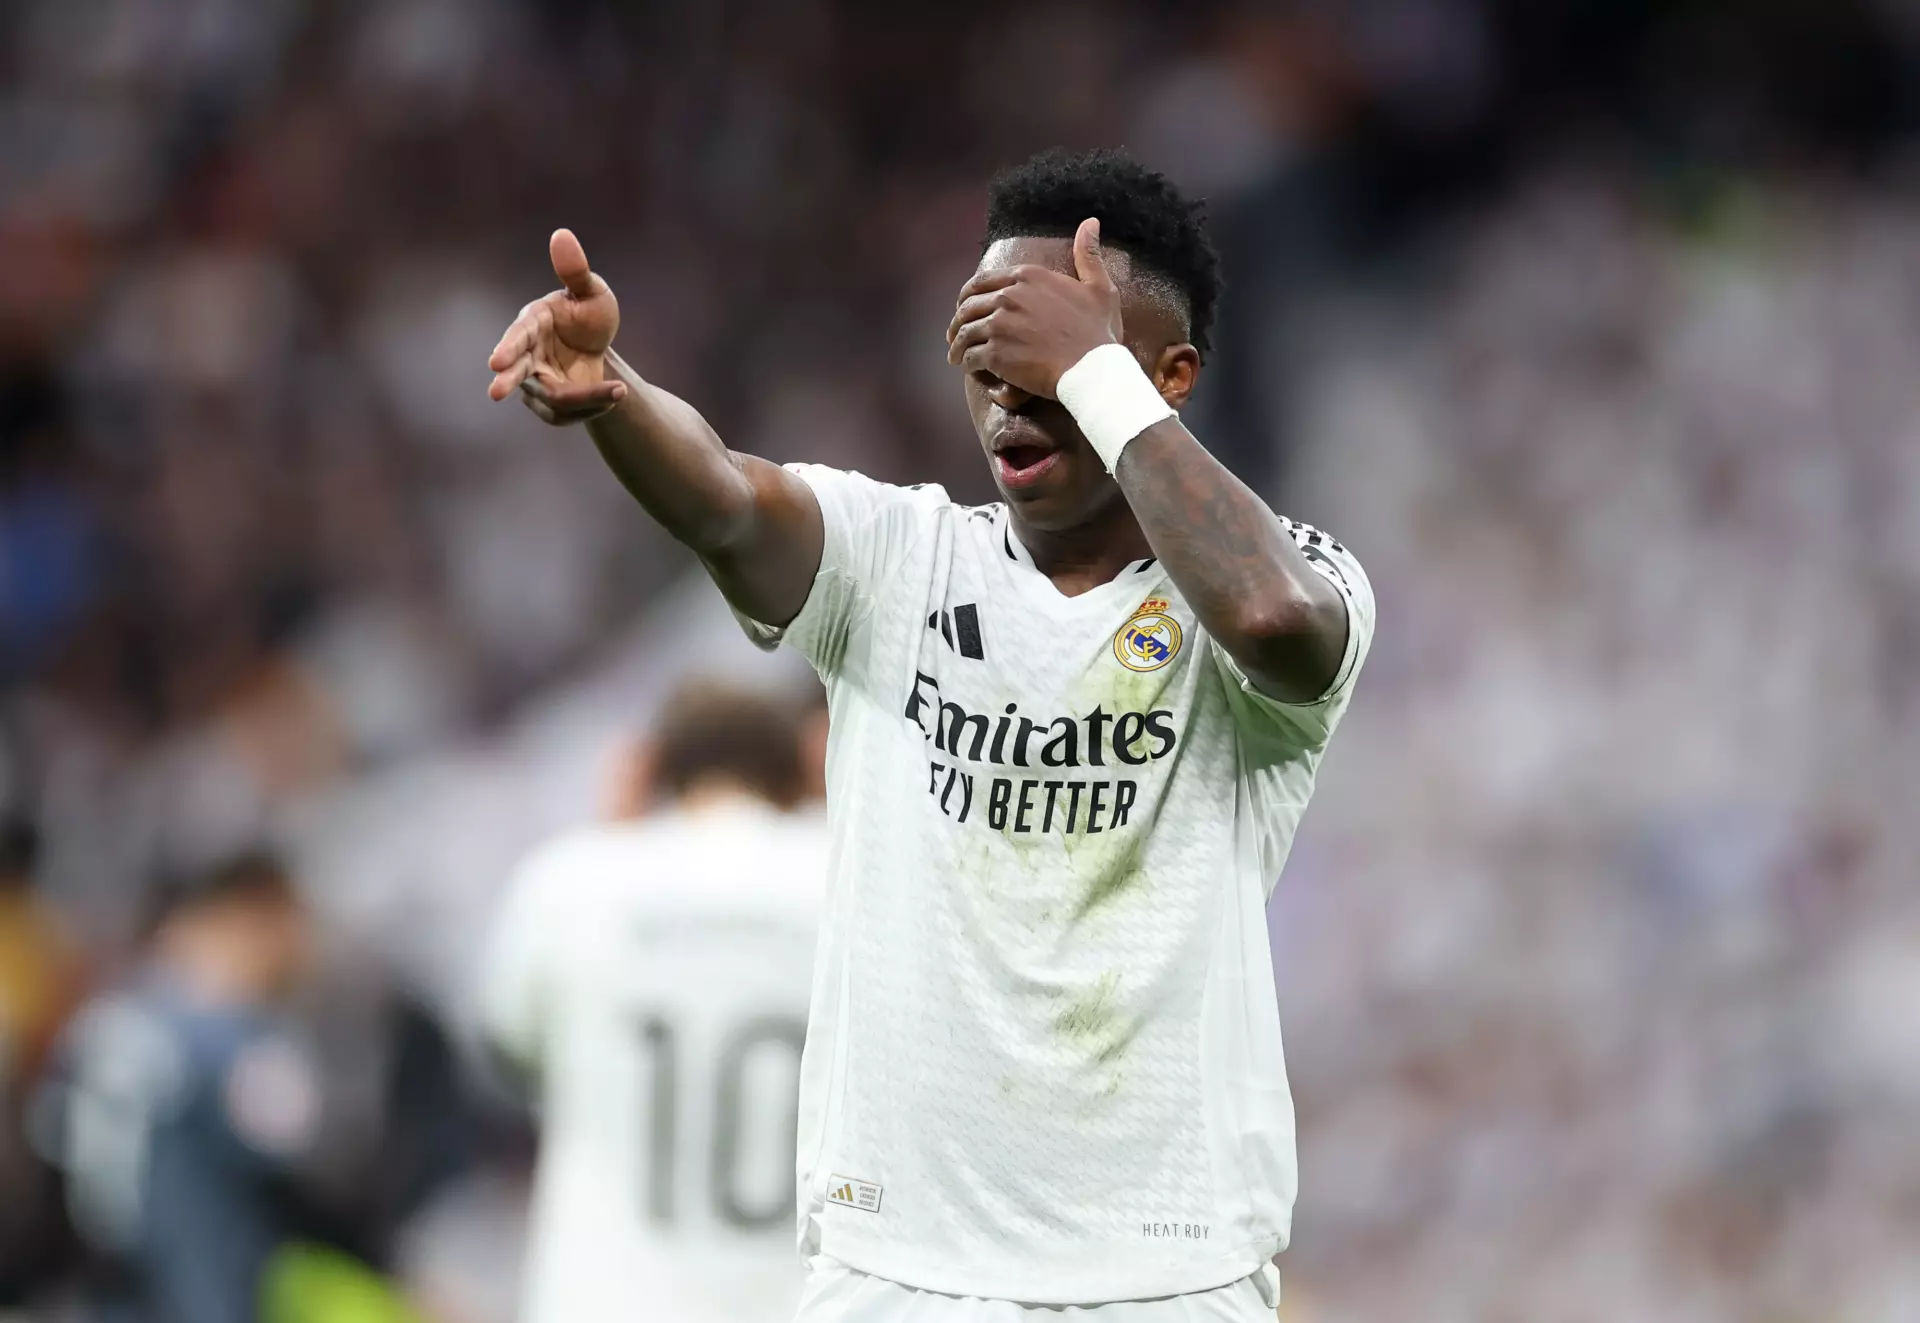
{"x": 1111, "y": 399}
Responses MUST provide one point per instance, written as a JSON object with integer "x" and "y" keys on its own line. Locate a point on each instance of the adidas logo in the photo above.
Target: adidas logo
{"x": 961, "y": 630}
{"x": 849, "y": 1193}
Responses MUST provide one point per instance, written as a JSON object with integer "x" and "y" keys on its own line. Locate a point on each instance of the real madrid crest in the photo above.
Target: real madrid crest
{"x": 1150, "y": 638}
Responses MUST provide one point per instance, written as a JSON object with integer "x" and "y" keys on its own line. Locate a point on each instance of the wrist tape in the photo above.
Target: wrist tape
{"x": 1111, "y": 399}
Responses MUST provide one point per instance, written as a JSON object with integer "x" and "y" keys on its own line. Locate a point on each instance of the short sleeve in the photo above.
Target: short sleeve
{"x": 512, "y": 978}
{"x": 1309, "y": 725}
{"x": 869, "y": 528}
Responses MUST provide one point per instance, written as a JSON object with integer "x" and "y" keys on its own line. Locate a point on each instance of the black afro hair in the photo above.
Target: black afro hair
{"x": 1140, "y": 212}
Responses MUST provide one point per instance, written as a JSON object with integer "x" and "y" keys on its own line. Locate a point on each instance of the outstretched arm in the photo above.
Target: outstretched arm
{"x": 1232, "y": 558}
{"x": 755, "y": 527}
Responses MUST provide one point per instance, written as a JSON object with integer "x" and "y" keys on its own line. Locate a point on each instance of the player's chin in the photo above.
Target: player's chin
{"x": 1061, "y": 502}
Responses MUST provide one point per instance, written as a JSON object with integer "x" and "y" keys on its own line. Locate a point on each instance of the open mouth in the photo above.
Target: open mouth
{"x": 1022, "y": 466}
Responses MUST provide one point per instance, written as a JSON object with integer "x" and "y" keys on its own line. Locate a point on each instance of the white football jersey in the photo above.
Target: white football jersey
{"x": 655, "y": 976}
{"x": 1044, "y": 1060}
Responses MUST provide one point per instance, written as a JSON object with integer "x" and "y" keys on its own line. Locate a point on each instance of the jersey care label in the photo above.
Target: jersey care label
{"x": 864, "y": 1195}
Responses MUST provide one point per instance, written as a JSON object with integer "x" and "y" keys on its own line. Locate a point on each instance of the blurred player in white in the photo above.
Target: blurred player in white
{"x": 651, "y": 977}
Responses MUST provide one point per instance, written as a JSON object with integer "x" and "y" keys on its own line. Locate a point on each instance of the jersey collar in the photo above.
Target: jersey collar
{"x": 1016, "y": 551}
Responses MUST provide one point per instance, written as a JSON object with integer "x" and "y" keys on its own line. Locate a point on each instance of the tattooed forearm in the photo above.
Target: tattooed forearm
{"x": 1241, "y": 573}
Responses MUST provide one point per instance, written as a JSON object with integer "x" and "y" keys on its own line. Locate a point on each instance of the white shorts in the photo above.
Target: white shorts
{"x": 835, "y": 1293}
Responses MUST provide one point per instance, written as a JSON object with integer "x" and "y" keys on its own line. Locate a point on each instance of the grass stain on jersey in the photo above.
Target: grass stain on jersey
{"x": 1106, "y": 868}
{"x": 1090, "y": 1018}
{"x": 1112, "y": 686}
{"x": 1094, "y": 1022}
{"x": 1091, "y": 1014}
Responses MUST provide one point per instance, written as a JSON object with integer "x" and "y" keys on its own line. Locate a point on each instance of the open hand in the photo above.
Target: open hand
{"x": 555, "y": 352}
{"x": 1028, "y": 325}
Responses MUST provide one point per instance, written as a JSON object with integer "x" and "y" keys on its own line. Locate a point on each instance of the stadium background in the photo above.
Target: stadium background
{"x": 1592, "y": 327}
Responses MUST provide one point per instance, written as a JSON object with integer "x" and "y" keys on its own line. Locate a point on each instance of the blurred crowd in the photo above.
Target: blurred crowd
{"x": 1593, "y": 329}
{"x": 1600, "y": 964}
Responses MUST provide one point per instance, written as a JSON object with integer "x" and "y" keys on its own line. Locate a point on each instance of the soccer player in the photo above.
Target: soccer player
{"x": 1072, "y": 734}
{"x": 652, "y": 976}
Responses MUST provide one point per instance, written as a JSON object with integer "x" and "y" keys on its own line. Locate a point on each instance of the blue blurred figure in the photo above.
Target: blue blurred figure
{"x": 183, "y": 1104}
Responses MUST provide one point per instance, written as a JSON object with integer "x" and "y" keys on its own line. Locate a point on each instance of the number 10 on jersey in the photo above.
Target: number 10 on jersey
{"x": 745, "y": 1089}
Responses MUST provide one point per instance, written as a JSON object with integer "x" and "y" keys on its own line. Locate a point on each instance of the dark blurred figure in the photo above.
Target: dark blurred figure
{"x": 184, "y": 1106}
{"x": 39, "y": 976}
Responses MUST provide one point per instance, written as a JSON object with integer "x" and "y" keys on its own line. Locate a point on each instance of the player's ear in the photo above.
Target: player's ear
{"x": 1174, "y": 373}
